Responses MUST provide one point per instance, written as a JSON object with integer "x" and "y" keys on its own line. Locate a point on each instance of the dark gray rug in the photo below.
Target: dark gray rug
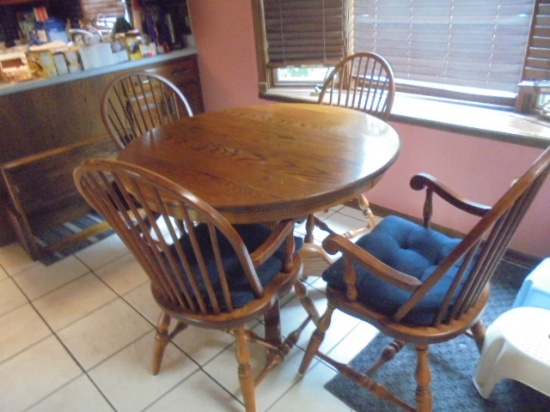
{"x": 452, "y": 365}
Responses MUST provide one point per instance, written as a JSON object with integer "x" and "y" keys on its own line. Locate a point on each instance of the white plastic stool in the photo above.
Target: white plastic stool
{"x": 535, "y": 290}
{"x": 517, "y": 346}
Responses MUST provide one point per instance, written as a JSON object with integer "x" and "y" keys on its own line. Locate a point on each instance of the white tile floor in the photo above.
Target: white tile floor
{"x": 78, "y": 336}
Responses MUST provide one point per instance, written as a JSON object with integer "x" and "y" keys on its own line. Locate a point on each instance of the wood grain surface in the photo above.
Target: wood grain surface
{"x": 273, "y": 161}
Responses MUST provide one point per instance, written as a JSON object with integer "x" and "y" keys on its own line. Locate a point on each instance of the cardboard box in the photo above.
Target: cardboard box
{"x": 96, "y": 55}
{"x": 60, "y": 63}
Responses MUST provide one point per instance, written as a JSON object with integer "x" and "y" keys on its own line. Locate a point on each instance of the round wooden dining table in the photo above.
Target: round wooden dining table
{"x": 270, "y": 162}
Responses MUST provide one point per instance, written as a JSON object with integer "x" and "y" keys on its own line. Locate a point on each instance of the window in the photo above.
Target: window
{"x": 305, "y": 30}
{"x": 301, "y": 75}
{"x": 300, "y": 34}
{"x": 468, "y": 46}
{"x": 463, "y": 49}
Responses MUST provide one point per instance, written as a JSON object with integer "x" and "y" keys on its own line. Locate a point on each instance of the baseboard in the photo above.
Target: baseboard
{"x": 514, "y": 256}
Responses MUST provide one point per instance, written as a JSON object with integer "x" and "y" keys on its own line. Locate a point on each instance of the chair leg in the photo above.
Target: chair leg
{"x": 246, "y": 377}
{"x": 478, "y": 333}
{"x": 316, "y": 339}
{"x": 161, "y": 340}
{"x": 423, "y": 377}
{"x": 305, "y": 300}
{"x": 387, "y": 355}
{"x": 348, "y": 372}
{"x": 274, "y": 357}
{"x": 272, "y": 319}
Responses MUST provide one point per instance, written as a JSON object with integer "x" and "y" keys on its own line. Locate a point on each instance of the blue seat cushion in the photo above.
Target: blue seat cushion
{"x": 253, "y": 235}
{"x": 411, "y": 249}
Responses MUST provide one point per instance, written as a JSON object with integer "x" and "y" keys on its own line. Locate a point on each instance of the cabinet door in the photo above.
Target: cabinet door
{"x": 55, "y": 116}
{"x": 184, "y": 73}
{"x": 3, "y": 2}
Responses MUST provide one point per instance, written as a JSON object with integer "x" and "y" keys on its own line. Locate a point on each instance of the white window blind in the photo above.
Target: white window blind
{"x": 465, "y": 43}
{"x": 305, "y": 31}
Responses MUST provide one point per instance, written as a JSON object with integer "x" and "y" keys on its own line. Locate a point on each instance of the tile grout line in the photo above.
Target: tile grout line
{"x": 123, "y": 297}
{"x": 65, "y": 348}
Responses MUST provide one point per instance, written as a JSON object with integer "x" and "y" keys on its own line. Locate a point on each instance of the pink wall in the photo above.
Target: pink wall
{"x": 476, "y": 168}
{"x": 224, "y": 36}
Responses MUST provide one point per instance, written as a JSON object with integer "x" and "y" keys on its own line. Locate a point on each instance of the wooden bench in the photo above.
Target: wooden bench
{"x": 42, "y": 194}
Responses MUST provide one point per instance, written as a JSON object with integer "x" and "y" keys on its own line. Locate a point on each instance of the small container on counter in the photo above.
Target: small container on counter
{"x": 14, "y": 67}
{"x": 42, "y": 63}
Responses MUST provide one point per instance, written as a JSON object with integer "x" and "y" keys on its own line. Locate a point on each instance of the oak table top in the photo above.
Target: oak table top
{"x": 272, "y": 161}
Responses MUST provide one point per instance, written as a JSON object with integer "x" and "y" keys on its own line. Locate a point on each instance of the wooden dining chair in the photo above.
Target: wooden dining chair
{"x": 419, "y": 286}
{"x": 213, "y": 274}
{"x": 365, "y": 82}
{"x": 135, "y": 103}
{"x": 362, "y": 81}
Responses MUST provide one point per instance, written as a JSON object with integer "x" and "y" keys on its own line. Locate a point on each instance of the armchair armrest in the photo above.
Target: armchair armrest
{"x": 432, "y": 185}
{"x": 336, "y": 243}
{"x": 280, "y": 233}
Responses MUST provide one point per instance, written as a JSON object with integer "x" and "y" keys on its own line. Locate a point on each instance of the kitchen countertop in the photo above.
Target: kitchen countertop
{"x": 9, "y": 88}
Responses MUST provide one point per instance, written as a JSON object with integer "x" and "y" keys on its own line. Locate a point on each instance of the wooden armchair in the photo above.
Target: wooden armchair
{"x": 364, "y": 82}
{"x": 211, "y": 275}
{"x": 419, "y": 286}
{"x": 136, "y": 103}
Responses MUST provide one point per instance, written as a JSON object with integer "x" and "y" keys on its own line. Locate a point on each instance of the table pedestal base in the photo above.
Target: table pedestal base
{"x": 315, "y": 259}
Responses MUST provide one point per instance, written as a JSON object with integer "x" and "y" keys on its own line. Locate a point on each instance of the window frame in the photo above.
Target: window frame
{"x": 538, "y": 35}
{"x": 266, "y": 68}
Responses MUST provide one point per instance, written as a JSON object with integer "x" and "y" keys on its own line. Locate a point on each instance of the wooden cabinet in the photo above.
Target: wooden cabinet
{"x": 184, "y": 74}
{"x": 45, "y": 118}
{"x": 6, "y": 2}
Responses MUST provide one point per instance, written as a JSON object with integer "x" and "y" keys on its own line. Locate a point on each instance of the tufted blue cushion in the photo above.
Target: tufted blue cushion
{"x": 409, "y": 248}
{"x": 253, "y": 236}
